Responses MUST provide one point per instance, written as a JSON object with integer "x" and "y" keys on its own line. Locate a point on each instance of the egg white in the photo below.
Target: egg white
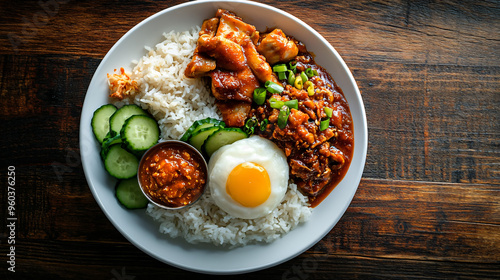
{"x": 253, "y": 149}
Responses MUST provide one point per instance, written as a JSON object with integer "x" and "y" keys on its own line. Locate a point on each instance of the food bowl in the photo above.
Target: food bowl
{"x": 172, "y": 174}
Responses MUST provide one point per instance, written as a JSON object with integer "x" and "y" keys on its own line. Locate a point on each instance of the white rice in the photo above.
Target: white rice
{"x": 176, "y": 101}
{"x": 205, "y": 222}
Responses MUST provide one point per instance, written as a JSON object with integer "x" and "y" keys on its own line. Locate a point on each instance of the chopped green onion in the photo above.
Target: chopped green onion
{"x": 292, "y": 104}
{"x": 259, "y": 96}
{"x": 282, "y": 75}
{"x": 303, "y": 76}
{"x": 291, "y": 77}
{"x": 309, "y": 87}
{"x": 263, "y": 124}
{"x": 311, "y": 73}
{"x": 273, "y": 87}
{"x": 292, "y": 65}
{"x": 328, "y": 111}
{"x": 250, "y": 125}
{"x": 324, "y": 124}
{"x": 298, "y": 82}
{"x": 283, "y": 117}
{"x": 310, "y": 91}
{"x": 275, "y": 104}
{"x": 279, "y": 68}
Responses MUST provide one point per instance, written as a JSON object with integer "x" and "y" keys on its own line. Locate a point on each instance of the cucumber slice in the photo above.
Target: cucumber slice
{"x": 121, "y": 115}
{"x": 108, "y": 141}
{"x": 108, "y": 135}
{"x": 120, "y": 163}
{"x": 100, "y": 121}
{"x": 224, "y": 136}
{"x": 201, "y": 135}
{"x": 139, "y": 133}
{"x": 129, "y": 194}
{"x": 199, "y": 124}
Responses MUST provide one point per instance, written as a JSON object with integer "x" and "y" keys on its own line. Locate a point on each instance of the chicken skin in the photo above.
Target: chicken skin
{"x": 276, "y": 47}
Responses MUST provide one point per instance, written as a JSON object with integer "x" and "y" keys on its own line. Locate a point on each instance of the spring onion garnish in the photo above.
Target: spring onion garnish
{"x": 279, "y": 68}
{"x": 328, "y": 111}
{"x": 250, "y": 125}
{"x": 310, "y": 90}
{"x": 291, "y": 77}
{"x": 292, "y": 104}
{"x": 311, "y": 72}
{"x": 282, "y": 75}
{"x": 292, "y": 65}
{"x": 259, "y": 96}
{"x": 275, "y": 103}
{"x": 283, "y": 117}
{"x": 273, "y": 87}
{"x": 298, "y": 82}
{"x": 303, "y": 76}
{"x": 263, "y": 124}
{"x": 323, "y": 125}
{"x": 309, "y": 87}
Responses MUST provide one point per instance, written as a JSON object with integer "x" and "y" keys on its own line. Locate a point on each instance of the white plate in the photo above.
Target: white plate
{"x": 139, "y": 228}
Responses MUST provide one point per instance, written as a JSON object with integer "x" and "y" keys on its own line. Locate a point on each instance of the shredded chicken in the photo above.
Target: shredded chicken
{"x": 121, "y": 85}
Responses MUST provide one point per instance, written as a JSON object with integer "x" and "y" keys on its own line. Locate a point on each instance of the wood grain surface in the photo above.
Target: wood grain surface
{"x": 428, "y": 206}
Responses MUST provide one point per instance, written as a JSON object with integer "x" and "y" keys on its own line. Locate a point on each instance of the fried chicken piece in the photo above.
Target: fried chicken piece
{"x": 233, "y": 28}
{"x": 209, "y": 27}
{"x": 230, "y": 85}
{"x": 234, "y": 113}
{"x": 201, "y": 64}
{"x": 258, "y": 63}
{"x": 227, "y": 54}
{"x": 276, "y": 47}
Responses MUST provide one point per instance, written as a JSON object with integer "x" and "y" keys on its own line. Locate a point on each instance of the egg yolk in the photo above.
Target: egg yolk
{"x": 249, "y": 184}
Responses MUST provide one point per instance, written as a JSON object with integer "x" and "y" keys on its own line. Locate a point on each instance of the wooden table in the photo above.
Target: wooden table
{"x": 428, "y": 205}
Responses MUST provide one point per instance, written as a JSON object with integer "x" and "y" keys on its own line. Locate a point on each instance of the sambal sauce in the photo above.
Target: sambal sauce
{"x": 173, "y": 175}
{"x": 318, "y": 158}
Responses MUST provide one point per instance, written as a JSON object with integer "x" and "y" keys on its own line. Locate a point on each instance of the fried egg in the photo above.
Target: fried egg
{"x": 249, "y": 178}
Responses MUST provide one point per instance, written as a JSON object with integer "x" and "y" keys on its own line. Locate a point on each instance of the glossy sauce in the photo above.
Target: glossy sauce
{"x": 173, "y": 175}
{"x": 318, "y": 160}
{"x": 344, "y": 141}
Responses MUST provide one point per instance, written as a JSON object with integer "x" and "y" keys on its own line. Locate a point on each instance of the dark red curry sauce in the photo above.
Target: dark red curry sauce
{"x": 318, "y": 159}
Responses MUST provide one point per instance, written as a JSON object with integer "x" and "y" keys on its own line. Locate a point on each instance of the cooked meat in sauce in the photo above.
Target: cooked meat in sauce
{"x": 230, "y": 85}
{"x": 201, "y": 64}
{"x": 226, "y": 51}
{"x": 318, "y": 159}
{"x": 238, "y": 60}
{"x": 258, "y": 64}
{"x": 276, "y": 47}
